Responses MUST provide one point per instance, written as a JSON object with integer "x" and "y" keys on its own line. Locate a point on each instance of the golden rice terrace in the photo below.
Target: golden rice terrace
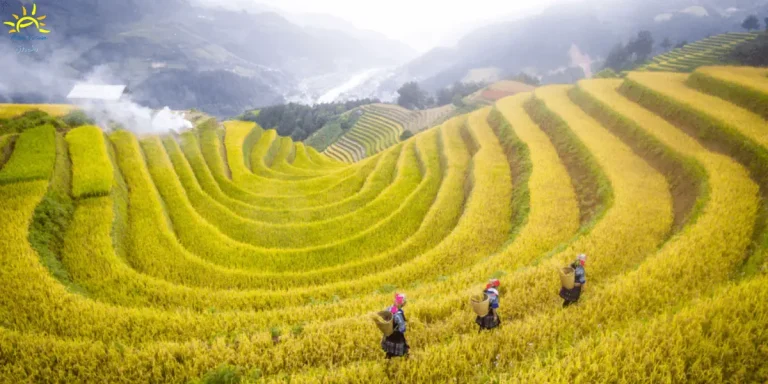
{"x": 131, "y": 259}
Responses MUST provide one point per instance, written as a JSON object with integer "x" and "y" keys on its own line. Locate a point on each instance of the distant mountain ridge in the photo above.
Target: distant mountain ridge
{"x": 543, "y": 45}
{"x": 154, "y": 46}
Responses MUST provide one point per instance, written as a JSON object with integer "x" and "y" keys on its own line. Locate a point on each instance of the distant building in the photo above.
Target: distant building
{"x": 97, "y": 93}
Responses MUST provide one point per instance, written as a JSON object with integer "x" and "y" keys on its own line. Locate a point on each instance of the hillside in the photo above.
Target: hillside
{"x": 497, "y": 91}
{"x": 379, "y": 127}
{"x": 710, "y": 51}
{"x": 235, "y": 254}
{"x": 186, "y": 56}
{"x": 566, "y": 42}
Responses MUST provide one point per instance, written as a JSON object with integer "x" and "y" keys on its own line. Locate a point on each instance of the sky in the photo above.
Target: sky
{"x": 422, "y": 24}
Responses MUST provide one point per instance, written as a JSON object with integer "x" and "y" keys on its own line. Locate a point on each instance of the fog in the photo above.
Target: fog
{"x": 423, "y": 24}
{"x": 225, "y": 61}
{"x": 23, "y": 74}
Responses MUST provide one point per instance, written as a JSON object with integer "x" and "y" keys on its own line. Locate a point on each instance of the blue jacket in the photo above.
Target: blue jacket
{"x": 493, "y": 297}
{"x": 580, "y": 275}
{"x": 398, "y": 320}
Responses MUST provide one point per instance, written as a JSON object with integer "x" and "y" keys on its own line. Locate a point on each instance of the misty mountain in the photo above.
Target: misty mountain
{"x": 565, "y": 39}
{"x": 383, "y": 44}
{"x": 154, "y": 46}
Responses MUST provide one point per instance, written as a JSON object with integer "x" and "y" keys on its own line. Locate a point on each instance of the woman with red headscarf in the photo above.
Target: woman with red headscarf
{"x": 491, "y": 320}
{"x": 571, "y": 296}
{"x": 395, "y": 345}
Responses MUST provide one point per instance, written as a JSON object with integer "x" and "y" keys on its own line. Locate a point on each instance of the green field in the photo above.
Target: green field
{"x": 231, "y": 253}
{"x": 710, "y": 51}
{"x": 377, "y": 128}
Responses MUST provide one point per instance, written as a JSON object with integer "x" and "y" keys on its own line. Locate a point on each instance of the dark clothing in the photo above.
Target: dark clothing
{"x": 571, "y": 296}
{"x": 395, "y": 345}
{"x": 488, "y": 321}
{"x": 580, "y": 275}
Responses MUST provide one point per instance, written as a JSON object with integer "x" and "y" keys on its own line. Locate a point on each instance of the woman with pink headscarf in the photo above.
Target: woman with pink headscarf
{"x": 395, "y": 345}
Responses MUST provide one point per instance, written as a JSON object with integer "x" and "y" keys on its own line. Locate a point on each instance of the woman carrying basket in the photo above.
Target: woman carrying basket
{"x": 491, "y": 320}
{"x": 395, "y": 345}
{"x": 571, "y": 296}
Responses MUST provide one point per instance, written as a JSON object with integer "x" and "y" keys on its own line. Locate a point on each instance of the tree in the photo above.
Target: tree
{"x": 527, "y": 79}
{"x": 345, "y": 124}
{"x": 406, "y": 135}
{"x": 751, "y": 23}
{"x": 666, "y": 44}
{"x": 444, "y": 96}
{"x": 77, "y": 118}
{"x": 298, "y": 135}
{"x": 641, "y": 47}
{"x": 457, "y": 101}
{"x": 766, "y": 23}
{"x": 752, "y": 53}
{"x": 681, "y": 44}
{"x": 455, "y": 93}
{"x": 617, "y": 58}
{"x": 411, "y": 96}
{"x": 429, "y": 102}
{"x": 606, "y": 74}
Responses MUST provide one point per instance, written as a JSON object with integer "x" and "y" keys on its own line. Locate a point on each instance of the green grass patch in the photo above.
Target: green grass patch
{"x": 91, "y": 168}
{"x": 52, "y": 217}
{"x": 6, "y": 148}
{"x": 33, "y": 157}
{"x": 29, "y": 120}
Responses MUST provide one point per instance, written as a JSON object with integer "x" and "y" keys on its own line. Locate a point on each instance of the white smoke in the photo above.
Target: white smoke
{"x": 135, "y": 118}
{"x": 55, "y": 76}
{"x": 167, "y": 120}
{"x": 128, "y": 114}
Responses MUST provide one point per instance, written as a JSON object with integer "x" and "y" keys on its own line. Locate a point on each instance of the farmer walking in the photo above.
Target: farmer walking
{"x": 491, "y": 320}
{"x": 571, "y": 296}
{"x": 395, "y": 345}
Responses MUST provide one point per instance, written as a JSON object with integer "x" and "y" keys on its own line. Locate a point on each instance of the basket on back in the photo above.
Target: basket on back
{"x": 480, "y": 304}
{"x": 383, "y": 320}
{"x": 567, "y": 277}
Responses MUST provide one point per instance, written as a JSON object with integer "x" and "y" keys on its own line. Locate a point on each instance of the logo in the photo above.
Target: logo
{"x": 26, "y": 21}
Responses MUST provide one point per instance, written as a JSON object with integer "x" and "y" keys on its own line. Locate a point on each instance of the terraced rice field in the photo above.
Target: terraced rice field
{"x": 379, "y": 128}
{"x": 238, "y": 252}
{"x": 10, "y": 110}
{"x": 497, "y": 91}
{"x": 710, "y": 51}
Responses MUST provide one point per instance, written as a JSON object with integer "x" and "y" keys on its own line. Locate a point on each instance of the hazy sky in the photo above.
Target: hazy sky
{"x": 422, "y": 23}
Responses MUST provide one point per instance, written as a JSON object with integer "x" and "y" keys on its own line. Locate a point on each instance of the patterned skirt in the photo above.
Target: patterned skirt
{"x": 488, "y": 321}
{"x": 395, "y": 344}
{"x": 570, "y": 294}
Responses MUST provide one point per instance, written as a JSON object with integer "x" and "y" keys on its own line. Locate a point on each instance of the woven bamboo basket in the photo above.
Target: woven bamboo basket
{"x": 480, "y": 304}
{"x": 383, "y": 320}
{"x": 567, "y": 277}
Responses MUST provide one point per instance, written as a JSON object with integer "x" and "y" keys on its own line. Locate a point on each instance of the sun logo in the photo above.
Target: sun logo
{"x": 27, "y": 21}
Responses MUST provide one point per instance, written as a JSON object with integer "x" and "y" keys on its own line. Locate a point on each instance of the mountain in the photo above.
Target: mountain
{"x": 566, "y": 41}
{"x": 318, "y": 21}
{"x": 157, "y": 46}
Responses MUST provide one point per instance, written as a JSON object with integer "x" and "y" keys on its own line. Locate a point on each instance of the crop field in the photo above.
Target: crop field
{"x": 709, "y": 51}
{"x": 233, "y": 255}
{"x": 10, "y": 110}
{"x": 379, "y": 127}
{"x": 497, "y": 91}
